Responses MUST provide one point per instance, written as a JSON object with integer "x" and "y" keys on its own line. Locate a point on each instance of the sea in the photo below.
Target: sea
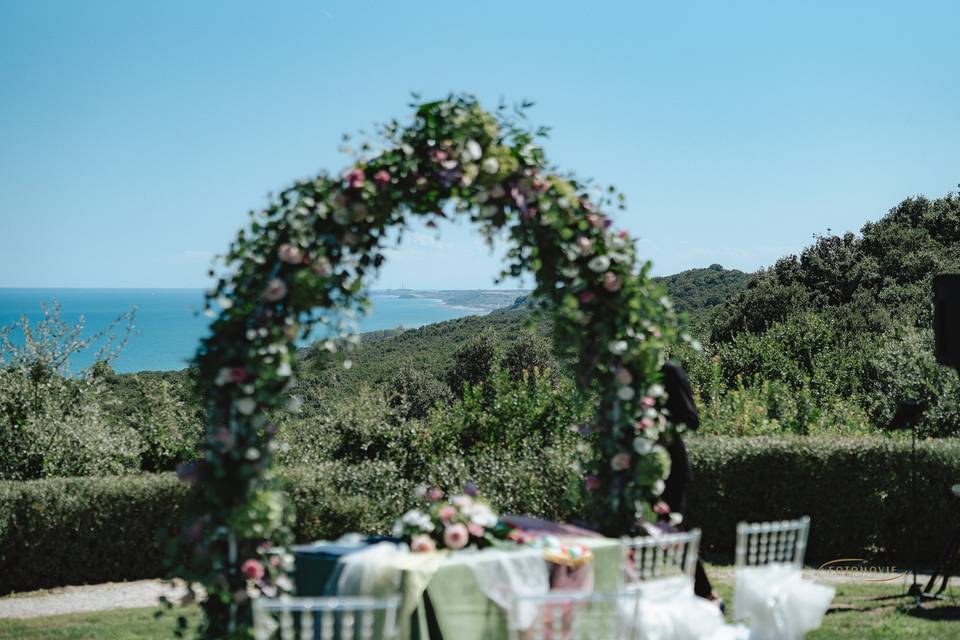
{"x": 169, "y": 323}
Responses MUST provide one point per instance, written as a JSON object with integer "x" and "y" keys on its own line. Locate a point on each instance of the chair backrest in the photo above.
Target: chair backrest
{"x": 348, "y": 618}
{"x": 662, "y": 556}
{"x": 762, "y": 543}
{"x": 574, "y": 616}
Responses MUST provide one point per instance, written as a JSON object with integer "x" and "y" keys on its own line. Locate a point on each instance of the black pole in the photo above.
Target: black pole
{"x": 913, "y": 500}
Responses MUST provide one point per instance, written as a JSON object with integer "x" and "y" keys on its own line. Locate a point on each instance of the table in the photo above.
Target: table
{"x": 441, "y": 597}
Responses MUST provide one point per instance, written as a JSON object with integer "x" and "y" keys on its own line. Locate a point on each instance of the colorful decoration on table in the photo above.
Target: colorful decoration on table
{"x": 461, "y": 521}
{"x": 307, "y": 258}
{"x": 572, "y": 556}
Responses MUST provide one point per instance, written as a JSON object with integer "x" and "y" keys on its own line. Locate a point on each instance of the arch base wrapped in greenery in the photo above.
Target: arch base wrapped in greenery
{"x": 307, "y": 258}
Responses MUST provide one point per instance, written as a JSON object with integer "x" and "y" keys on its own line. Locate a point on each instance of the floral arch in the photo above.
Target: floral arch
{"x": 310, "y": 253}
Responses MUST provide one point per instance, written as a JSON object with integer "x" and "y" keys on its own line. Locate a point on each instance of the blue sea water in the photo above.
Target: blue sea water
{"x": 168, "y": 326}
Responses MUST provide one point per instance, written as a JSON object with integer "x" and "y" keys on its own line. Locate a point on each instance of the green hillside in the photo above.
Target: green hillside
{"x": 843, "y": 326}
{"x": 430, "y": 349}
{"x": 697, "y": 291}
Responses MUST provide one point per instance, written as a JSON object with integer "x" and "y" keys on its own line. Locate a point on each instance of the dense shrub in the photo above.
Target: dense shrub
{"x": 474, "y": 361}
{"x": 163, "y": 409}
{"x": 527, "y": 353}
{"x": 57, "y": 427}
{"x": 84, "y": 530}
{"x": 415, "y": 393}
{"x": 507, "y": 414}
{"x": 849, "y": 318}
{"x": 354, "y": 429}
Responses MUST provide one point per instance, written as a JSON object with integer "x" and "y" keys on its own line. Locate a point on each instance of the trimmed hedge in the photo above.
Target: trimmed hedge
{"x": 65, "y": 531}
{"x": 857, "y": 491}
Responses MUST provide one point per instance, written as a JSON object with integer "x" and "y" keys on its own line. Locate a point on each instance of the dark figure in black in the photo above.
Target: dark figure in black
{"x": 683, "y": 410}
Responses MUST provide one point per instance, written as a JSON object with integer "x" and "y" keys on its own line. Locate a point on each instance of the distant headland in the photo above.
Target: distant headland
{"x": 474, "y": 299}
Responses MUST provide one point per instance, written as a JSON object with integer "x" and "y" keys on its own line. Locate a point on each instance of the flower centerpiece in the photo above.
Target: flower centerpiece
{"x": 455, "y": 523}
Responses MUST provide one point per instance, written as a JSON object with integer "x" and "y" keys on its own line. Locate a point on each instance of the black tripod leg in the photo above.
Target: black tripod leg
{"x": 948, "y": 561}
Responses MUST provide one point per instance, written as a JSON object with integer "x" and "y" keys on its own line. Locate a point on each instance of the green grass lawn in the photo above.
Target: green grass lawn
{"x": 118, "y": 624}
{"x": 860, "y": 610}
{"x": 873, "y": 610}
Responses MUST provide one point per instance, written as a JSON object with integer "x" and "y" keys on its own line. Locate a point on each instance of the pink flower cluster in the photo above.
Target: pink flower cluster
{"x": 452, "y": 524}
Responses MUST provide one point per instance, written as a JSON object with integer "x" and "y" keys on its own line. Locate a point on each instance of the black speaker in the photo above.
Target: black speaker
{"x": 946, "y": 318}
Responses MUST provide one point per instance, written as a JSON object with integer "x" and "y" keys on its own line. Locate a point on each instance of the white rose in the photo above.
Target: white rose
{"x": 490, "y": 165}
{"x": 599, "y": 263}
{"x": 474, "y": 150}
{"x": 642, "y": 446}
{"x": 618, "y": 347}
{"x": 245, "y": 406}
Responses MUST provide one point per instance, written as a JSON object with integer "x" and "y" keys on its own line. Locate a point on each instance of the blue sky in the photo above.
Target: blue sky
{"x": 134, "y": 136}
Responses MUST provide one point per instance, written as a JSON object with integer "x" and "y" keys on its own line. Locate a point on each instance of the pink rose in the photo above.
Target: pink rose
{"x": 584, "y": 245}
{"x": 381, "y": 177}
{"x": 276, "y": 290}
{"x": 529, "y": 214}
{"x": 624, "y": 376}
{"x": 475, "y": 530}
{"x": 595, "y": 220}
{"x": 355, "y": 178}
{"x": 422, "y": 543}
{"x": 611, "y": 282}
{"x": 290, "y": 253}
{"x": 620, "y": 462}
{"x": 540, "y": 184}
{"x": 252, "y": 569}
{"x": 586, "y": 297}
{"x": 592, "y": 483}
{"x": 438, "y": 155}
{"x": 236, "y": 374}
{"x": 647, "y": 402}
{"x": 447, "y": 513}
{"x": 455, "y": 536}
{"x": 643, "y": 424}
{"x": 434, "y": 494}
{"x": 661, "y": 508}
{"x": 624, "y": 234}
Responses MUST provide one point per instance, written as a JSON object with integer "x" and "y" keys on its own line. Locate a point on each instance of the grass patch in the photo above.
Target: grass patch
{"x": 872, "y": 610}
{"x": 860, "y": 610}
{"x": 118, "y": 624}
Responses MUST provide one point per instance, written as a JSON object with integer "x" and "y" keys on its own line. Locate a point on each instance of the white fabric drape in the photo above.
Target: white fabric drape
{"x": 778, "y": 602}
{"x": 506, "y": 575}
{"x": 667, "y": 609}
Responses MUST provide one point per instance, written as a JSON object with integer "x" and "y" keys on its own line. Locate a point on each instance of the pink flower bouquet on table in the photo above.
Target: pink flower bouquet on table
{"x": 455, "y": 523}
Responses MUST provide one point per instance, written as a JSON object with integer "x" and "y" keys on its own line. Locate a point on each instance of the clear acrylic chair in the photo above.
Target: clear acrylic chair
{"x": 333, "y": 618}
{"x": 763, "y": 543}
{"x": 574, "y": 616}
{"x": 661, "y": 557}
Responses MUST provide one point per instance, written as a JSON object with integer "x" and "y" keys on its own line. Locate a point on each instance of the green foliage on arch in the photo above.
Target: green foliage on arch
{"x": 308, "y": 257}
